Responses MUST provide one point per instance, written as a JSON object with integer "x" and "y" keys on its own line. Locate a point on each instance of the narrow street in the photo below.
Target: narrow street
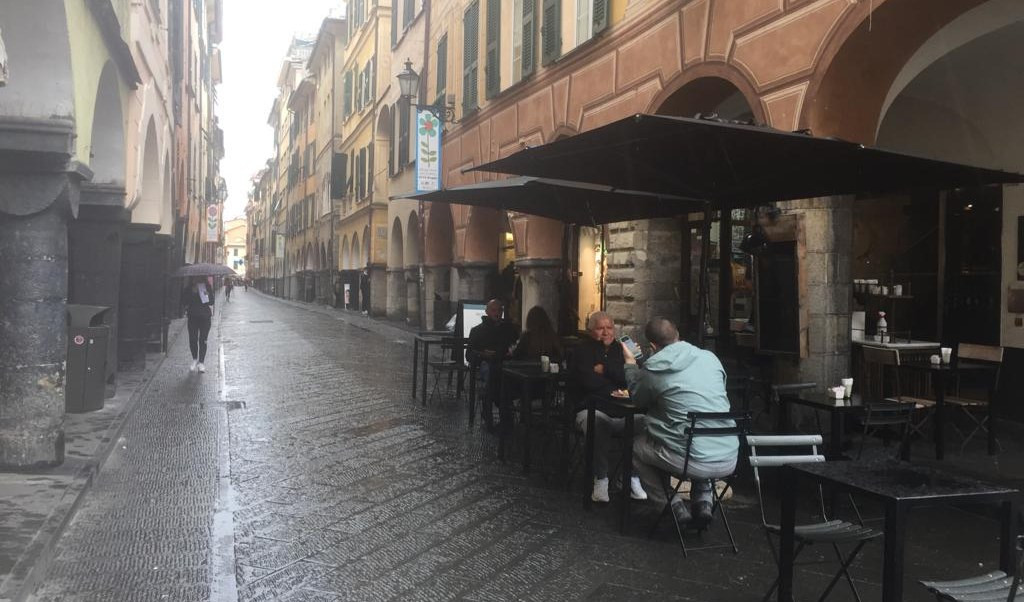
{"x": 342, "y": 488}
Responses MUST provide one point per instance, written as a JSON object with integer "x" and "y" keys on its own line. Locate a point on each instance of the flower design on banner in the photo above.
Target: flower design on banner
{"x": 428, "y": 128}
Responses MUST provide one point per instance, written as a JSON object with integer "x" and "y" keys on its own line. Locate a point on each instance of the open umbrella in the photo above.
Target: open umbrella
{"x": 203, "y": 269}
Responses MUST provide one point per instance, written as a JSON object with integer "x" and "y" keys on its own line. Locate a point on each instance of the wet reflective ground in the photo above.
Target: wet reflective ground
{"x": 298, "y": 468}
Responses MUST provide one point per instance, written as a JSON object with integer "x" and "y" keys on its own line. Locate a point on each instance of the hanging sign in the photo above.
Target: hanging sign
{"x": 212, "y": 223}
{"x": 428, "y": 151}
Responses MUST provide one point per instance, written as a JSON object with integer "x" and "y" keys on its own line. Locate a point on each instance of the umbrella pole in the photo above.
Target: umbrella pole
{"x": 702, "y": 299}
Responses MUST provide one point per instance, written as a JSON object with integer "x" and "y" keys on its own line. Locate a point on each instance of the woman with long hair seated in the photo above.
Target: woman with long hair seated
{"x": 539, "y": 338}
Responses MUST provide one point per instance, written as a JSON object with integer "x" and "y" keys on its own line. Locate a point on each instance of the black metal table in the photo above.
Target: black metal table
{"x": 614, "y": 407}
{"x": 939, "y": 374}
{"x": 838, "y": 410}
{"x": 425, "y": 339}
{"x": 899, "y": 486}
{"x": 526, "y": 374}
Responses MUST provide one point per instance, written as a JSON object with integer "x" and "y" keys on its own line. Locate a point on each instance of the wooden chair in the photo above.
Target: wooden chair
{"x": 977, "y": 411}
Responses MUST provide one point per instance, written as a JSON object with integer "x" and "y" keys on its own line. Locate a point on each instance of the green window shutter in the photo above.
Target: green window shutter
{"x": 408, "y": 12}
{"x": 442, "y": 67}
{"x": 470, "y": 56}
{"x": 346, "y": 104}
{"x": 492, "y": 71}
{"x": 600, "y": 16}
{"x": 529, "y": 50}
{"x": 394, "y": 26}
{"x": 551, "y": 31}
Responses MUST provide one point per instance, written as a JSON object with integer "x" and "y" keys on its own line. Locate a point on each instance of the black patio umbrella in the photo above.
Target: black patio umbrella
{"x": 203, "y": 269}
{"x": 570, "y": 202}
{"x": 734, "y": 165}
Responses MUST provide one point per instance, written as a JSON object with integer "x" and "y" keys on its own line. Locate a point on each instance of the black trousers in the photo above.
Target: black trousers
{"x": 198, "y": 330}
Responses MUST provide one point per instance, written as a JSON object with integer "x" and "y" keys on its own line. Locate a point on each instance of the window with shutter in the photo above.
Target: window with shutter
{"x": 358, "y": 94}
{"x": 394, "y": 26}
{"x": 551, "y": 31}
{"x": 470, "y": 56}
{"x": 529, "y": 38}
{"x": 492, "y": 70}
{"x": 404, "y": 119}
{"x": 370, "y": 174}
{"x": 393, "y": 141}
{"x": 600, "y": 21}
{"x": 583, "y": 20}
{"x": 442, "y": 68}
{"x": 408, "y": 12}
{"x": 346, "y": 104}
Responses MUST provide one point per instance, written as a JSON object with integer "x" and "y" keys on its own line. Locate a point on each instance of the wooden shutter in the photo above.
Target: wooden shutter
{"x": 529, "y": 42}
{"x": 393, "y": 140}
{"x": 470, "y": 56}
{"x": 394, "y": 26}
{"x": 408, "y": 12}
{"x": 442, "y": 67}
{"x": 600, "y": 16}
{"x": 551, "y": 31}
{"x": 403, "y": 135}
{"x": 370, "y": 175}
{"x": 346, "y": 104}
{"x": 492, "y": 71}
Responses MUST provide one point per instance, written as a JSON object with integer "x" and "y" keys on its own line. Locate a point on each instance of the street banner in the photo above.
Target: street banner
{"x": 213, "y": 223}
{"x": 428, "y": 151}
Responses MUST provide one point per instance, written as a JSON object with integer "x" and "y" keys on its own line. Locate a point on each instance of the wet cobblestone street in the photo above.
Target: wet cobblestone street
{"x": 298, "y": 468}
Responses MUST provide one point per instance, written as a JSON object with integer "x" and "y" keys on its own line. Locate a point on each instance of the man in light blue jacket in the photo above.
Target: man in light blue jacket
{"x": 676, "y": 380}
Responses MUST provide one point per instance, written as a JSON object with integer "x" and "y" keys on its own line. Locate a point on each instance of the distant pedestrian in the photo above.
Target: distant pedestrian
{"x": 229, "y": 285}
{"x": 245, "y": 282}
{"x": 198, "y": 301}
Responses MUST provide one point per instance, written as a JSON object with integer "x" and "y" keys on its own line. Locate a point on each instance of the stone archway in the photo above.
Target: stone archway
{"x": 107, "y": 146}
{"x": 412, "y": 268}
{"x": 397, "y": 290}
{"x": 148, "y": 207}
{"x": 346, "y": 260}
{"x": 439, "y": 253}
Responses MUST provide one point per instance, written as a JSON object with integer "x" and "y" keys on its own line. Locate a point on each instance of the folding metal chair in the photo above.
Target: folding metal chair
{"x": 829, "y": 532}
{"x": 976, "y": 410}
{"x": 739, "y": 428}
{"x": 882, "y": 361}
{"x": 990, "y": 587}
{"x": 450, "y": 364}
{"x": 897, "y": 416}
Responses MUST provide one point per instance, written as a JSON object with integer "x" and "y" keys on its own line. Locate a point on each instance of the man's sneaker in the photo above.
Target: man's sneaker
{"x": 636, "y": 490}
{"x": 195, "y": 364}
{"x": 600, "y": 493}
{"x": 681, "y": 512}
{"x": 701, "y": 513}
{"x": 202, "y": 368}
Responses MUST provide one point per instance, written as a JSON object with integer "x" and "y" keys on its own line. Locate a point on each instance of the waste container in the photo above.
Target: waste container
{"x": 85, "y": 379}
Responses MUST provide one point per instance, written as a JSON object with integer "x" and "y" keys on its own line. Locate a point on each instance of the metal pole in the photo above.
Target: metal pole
{"x": 705, "y": 250}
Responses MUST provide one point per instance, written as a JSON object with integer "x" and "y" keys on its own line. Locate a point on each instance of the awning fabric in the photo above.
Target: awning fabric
{"x": 737, "y": 165}
{"x": 570, "y": 202}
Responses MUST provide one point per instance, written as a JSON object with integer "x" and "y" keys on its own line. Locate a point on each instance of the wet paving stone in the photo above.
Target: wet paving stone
{"x": 340, "y": 487}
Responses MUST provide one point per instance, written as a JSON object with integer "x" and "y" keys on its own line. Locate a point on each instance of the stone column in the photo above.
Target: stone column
{"x": 396, "y": 307}
{"x": 412, "y": 295}
{"x": 828, "y": 232}
{"x": 438, "y": 296}
{"x": 39, "y": 189}
{"x": 94, "y": 259}
{"x": 134, "y": 322}
{"x": 540, "y": 278}
{"x": 378, "y": 289}
{"x": 157, "y": 320}
{"x": 643, "y": 272}
{"x": 474, "y": 278}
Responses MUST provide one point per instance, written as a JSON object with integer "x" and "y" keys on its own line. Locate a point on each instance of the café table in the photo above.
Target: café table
{"x": 424, "y": 339}
{"x": 527, "y": 374}
{"x": 899, "y": 487}
{"x": 940, "y": 374}
{"x": 615, "y": 407}
{"x": 837, "y": 409}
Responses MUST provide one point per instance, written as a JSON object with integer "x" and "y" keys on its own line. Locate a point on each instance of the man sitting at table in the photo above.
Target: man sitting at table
{"x": 597, "y": 370}
{"x": 676, "y": 380}
{"x": 490, "y": 342}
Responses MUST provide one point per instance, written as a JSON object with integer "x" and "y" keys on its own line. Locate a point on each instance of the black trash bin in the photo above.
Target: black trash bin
{"x": 88, "y": 337}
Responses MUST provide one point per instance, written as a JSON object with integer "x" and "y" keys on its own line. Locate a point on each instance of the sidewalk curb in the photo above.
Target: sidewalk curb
{"x": 355, "y": 319}
{"x": 34, "y": 562}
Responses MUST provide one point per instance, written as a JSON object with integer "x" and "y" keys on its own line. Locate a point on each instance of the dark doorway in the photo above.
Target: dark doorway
{"x": 973, "y": 266}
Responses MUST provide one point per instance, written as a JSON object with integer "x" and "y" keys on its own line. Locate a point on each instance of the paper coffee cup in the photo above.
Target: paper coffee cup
{"x": 848, "y": 386}
{"x": 545, "y": 363}
{"x": 947, "y": 354}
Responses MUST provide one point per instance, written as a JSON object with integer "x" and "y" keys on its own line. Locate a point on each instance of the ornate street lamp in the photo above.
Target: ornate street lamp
{"x": 408, "y": 85}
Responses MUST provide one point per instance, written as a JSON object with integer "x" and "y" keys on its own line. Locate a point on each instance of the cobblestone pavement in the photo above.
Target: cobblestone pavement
{"x": 298, "y": 468}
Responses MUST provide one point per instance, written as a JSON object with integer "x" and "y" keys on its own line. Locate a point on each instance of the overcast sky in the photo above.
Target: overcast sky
{"x": 256, "y": 37}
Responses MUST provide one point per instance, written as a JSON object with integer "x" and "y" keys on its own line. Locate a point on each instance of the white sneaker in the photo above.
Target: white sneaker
{"x": 202, "y": 368}
{"x": 600, "y": 493}
{"x": 636, "y": 490}
{"x": 195, "y": 364}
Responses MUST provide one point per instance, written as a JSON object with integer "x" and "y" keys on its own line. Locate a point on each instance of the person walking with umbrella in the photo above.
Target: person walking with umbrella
{"x": 229, "y": 285}
{"x": 198, "y": 301}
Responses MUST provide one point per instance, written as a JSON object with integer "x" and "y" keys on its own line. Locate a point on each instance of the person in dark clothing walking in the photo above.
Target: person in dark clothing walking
{"x": 197, "y": 298}
{"x": 229, "y": 285}
{"x": 490, "y": 342}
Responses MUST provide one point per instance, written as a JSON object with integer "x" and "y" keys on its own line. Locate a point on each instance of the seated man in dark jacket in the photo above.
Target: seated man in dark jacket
{"x": 597, "y": 369}
{"x": 490, "y": 342}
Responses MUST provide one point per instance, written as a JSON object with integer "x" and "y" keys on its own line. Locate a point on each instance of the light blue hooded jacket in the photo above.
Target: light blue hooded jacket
{"x": 673, "y": 382}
